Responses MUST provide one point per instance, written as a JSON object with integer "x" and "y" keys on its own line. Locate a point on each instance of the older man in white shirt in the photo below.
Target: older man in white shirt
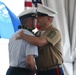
{"x": 21, "y": 53}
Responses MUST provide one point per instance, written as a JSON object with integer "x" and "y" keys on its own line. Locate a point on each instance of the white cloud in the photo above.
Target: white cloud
{"x": 16, "y": 6}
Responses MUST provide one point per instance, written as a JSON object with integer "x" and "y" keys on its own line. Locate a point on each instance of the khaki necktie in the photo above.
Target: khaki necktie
{"x": 38, "y": 34}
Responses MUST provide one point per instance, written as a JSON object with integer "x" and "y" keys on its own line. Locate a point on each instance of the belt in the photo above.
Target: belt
{"x": 19, "y": 68}
{"x": 50, "y": 68}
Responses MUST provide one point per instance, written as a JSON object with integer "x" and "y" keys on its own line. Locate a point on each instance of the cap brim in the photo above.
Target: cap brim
{"x": 41, "y": 14}
{"x": 28, "y": 16}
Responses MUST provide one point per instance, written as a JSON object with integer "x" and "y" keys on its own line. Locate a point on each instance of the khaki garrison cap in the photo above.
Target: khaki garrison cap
{"x": 45, "y": 11}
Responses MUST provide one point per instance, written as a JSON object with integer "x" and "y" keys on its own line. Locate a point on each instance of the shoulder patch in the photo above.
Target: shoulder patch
{"x": 51, "y": 34}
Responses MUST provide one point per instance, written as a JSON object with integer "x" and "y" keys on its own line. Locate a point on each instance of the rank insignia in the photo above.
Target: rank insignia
{"x": 51, "y": 34}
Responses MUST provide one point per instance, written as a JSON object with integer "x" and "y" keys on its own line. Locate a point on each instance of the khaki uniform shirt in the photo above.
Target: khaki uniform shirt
{"x": 50, "y": 54}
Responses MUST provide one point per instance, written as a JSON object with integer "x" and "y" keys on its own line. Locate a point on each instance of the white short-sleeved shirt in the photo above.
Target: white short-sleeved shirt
{"x": 19, "y": 49}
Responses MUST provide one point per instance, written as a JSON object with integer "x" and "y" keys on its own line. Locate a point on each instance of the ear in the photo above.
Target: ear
{"x": 51, "y": 19}
{"x": 48, "y": 18}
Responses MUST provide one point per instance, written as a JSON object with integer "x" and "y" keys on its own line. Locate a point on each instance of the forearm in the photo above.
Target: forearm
{"x": 38, "y": 41}
{"x": 30, "y": 63}
{"x": 31, "y": 39}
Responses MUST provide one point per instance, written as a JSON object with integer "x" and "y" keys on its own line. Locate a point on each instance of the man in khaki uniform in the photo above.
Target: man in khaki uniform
{"x": 49, "y": 61}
